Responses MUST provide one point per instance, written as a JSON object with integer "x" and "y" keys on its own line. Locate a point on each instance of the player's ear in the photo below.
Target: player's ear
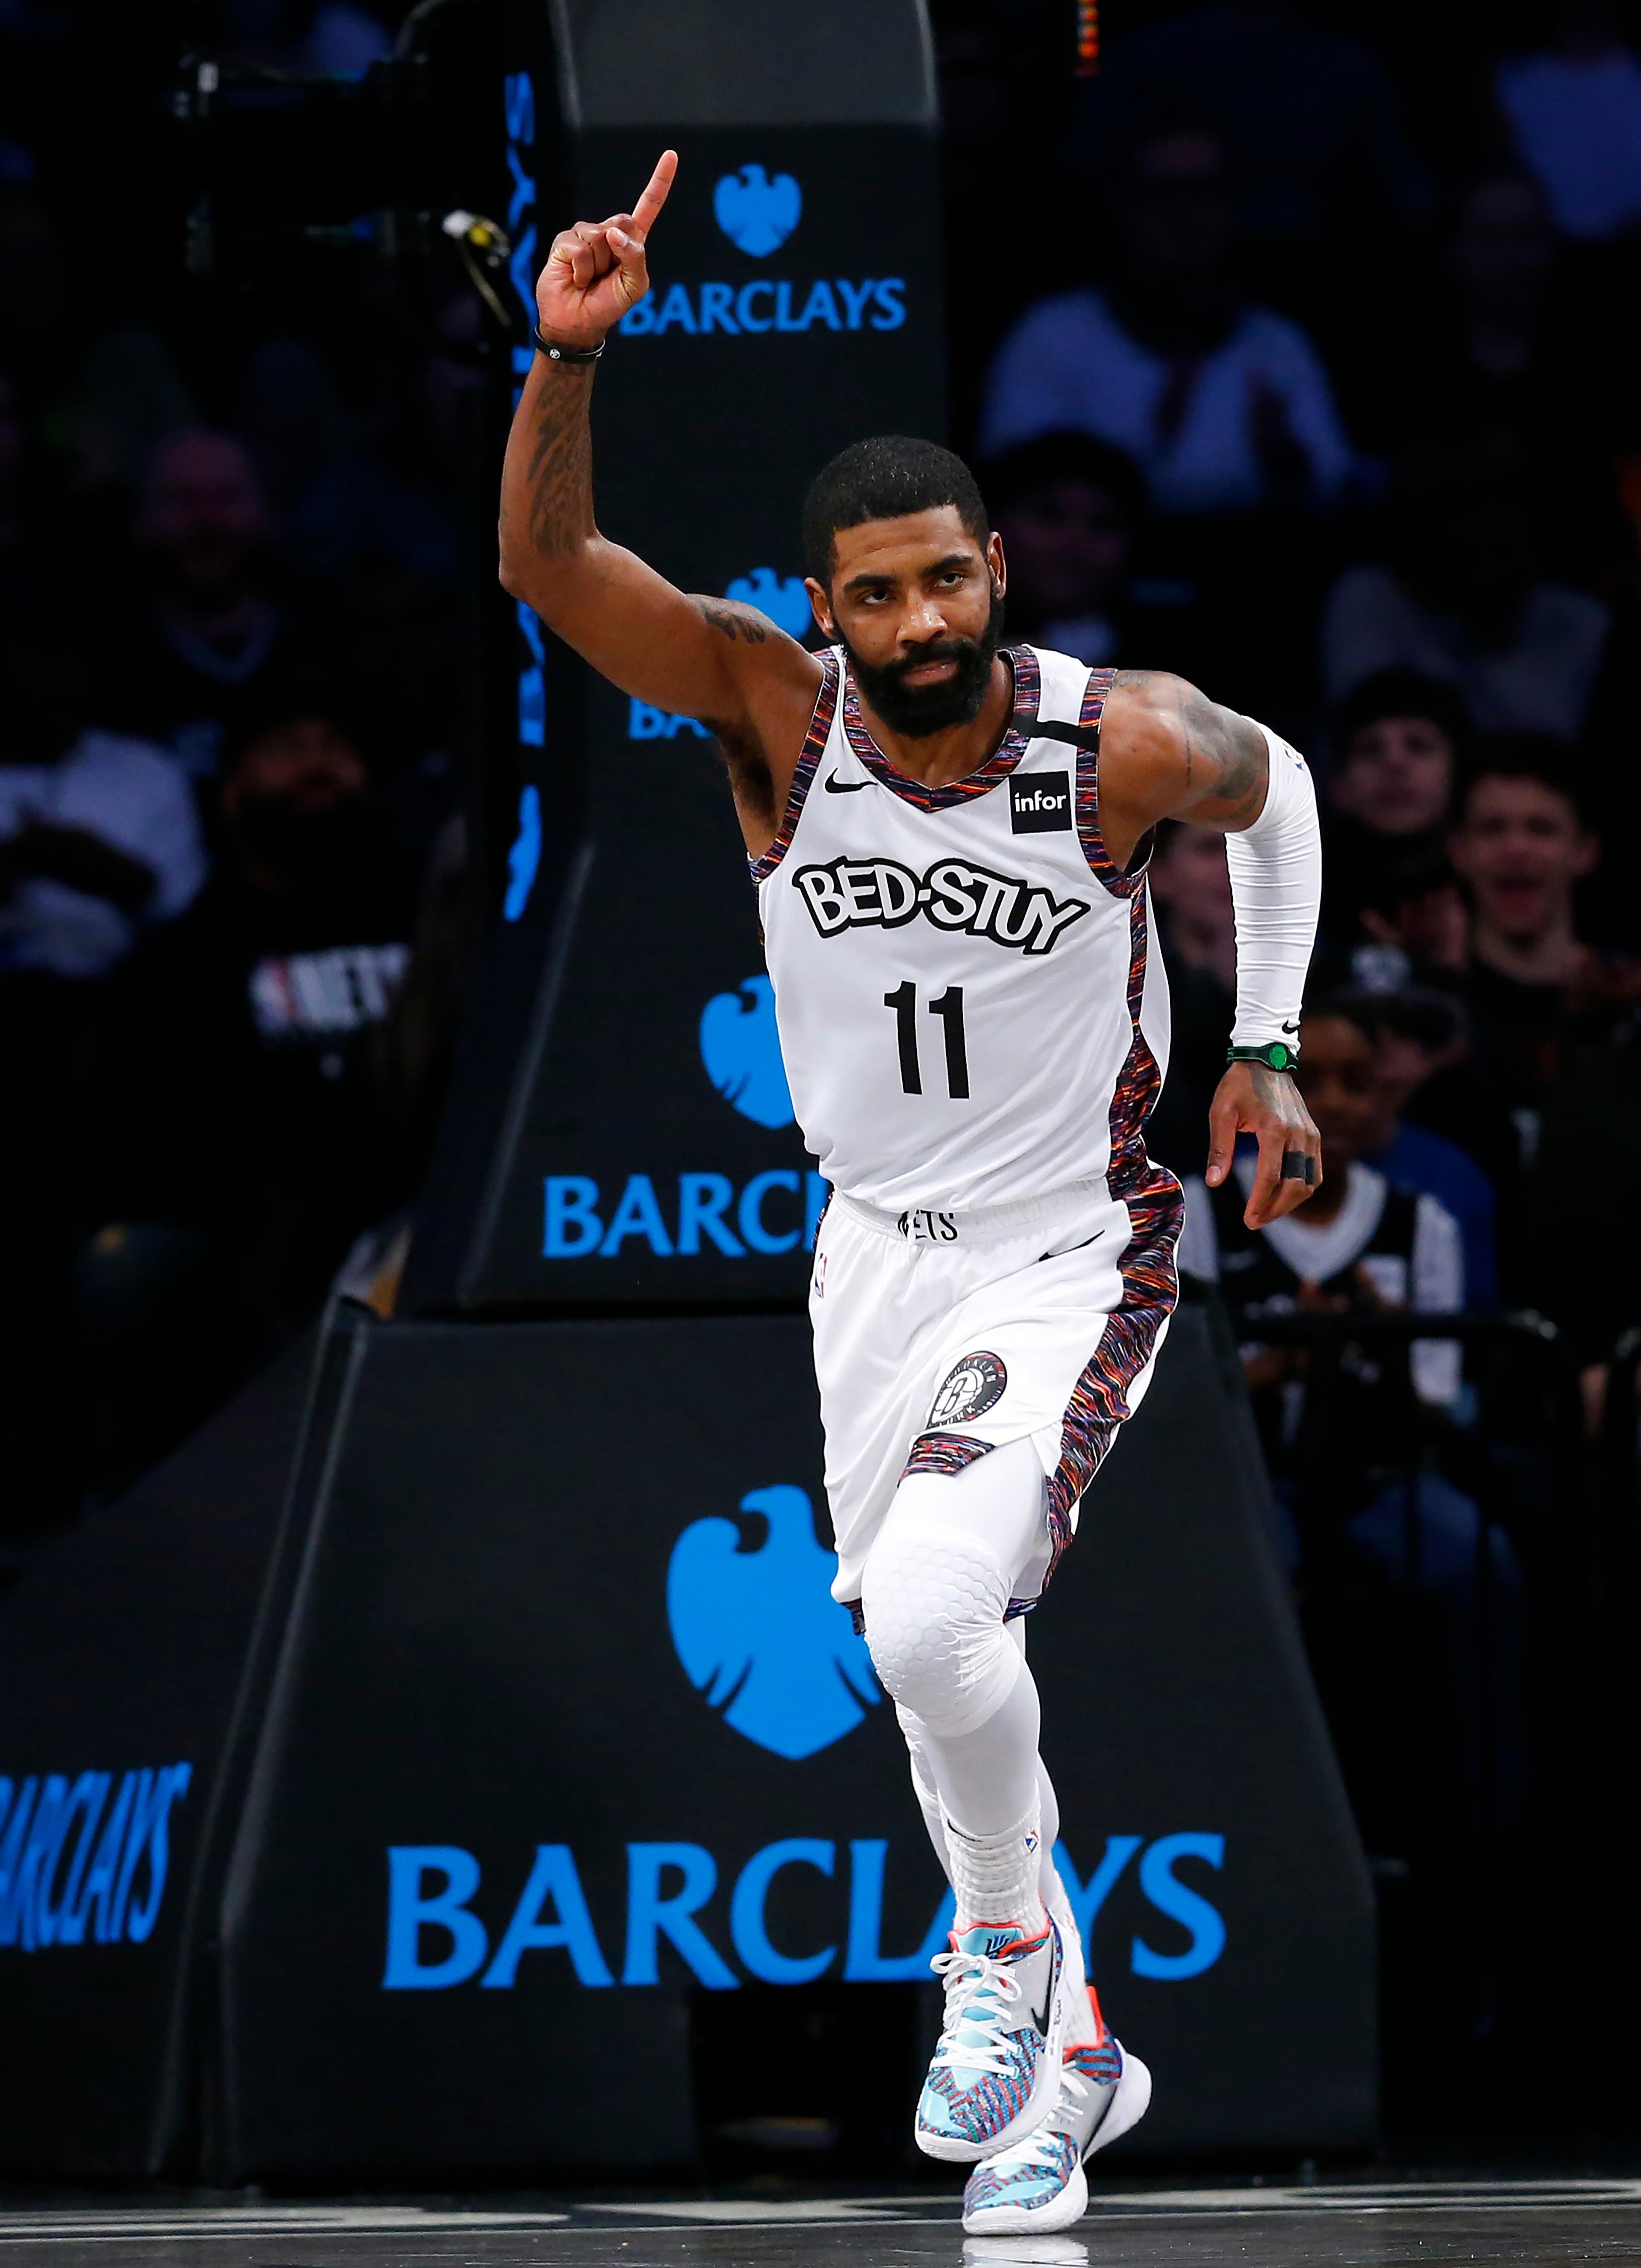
{"x": 822, "y": 607}
{"x": 997, "y": 563}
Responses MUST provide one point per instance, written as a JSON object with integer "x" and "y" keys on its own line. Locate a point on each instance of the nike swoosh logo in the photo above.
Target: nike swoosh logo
{"x": 1289, "y": 1027}
{"x": 835, "y": 786}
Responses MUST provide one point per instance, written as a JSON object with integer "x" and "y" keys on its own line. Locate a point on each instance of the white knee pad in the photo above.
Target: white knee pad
{"x": 934, "y": 1601}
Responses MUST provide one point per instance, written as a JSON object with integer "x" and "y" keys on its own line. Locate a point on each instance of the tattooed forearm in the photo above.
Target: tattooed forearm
{"x": 558, "y": 471}
{"x": 741, "y": 622}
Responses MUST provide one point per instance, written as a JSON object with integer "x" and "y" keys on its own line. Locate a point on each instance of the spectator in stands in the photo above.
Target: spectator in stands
{"x": 1410, "y": 926}
{"x": 1070, "y": 510}
{"x": 1348, "y": 1437}
{"x": 206, "y": 644}
{"x": 1417, "y": 1034}
{"x": 1396, "y": 742}
{"x": 1309, "y": 114}
{"x": 1225, "y": 406}
{"x": 1511, "y": 341}
{"x": 1461, "y": 594}
{"x": 1543, "y": 1002}
{"x": 1497, "y": 357}
{"x": 1575, "y": 108}
{"x": 98, "y": 841}
{"x": 1521, "y": 847}
{"x": 244, "y": 1098}
{"x": 99, "y": 836}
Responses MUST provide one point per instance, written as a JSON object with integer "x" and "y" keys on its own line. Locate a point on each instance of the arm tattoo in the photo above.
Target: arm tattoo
{"x": 743, "y": 623}
{"x": 1225, "y": 754}
{"x": 559, "y": 478}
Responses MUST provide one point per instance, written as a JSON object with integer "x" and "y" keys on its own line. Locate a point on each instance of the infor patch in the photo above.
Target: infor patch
{"x": 970, "y": 1387}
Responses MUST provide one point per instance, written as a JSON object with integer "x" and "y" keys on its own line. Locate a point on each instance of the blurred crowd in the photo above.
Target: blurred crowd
{"x": 229, "y": 823}
{"x": 1300, "y": 350}
{"x": 1303, "y": 357}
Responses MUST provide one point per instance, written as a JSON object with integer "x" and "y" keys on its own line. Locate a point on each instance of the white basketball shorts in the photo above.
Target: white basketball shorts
{"x": 940, "y": 1335}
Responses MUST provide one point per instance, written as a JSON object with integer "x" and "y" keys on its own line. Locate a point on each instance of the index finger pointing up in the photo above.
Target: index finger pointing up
{"x": 647, "y": 209}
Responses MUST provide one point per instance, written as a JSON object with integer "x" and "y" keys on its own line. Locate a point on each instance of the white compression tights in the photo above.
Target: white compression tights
{"x": 953, "y": 1553}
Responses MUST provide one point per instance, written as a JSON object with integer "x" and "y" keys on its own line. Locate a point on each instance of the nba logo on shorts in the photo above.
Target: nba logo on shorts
{"x": 1039, "y": 803}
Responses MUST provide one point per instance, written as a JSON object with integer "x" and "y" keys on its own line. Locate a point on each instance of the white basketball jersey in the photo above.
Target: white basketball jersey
{"x": 968, "y": 1011}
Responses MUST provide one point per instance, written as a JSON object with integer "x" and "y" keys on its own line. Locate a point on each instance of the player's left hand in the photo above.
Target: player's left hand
{"x": 1252, "y": 1099}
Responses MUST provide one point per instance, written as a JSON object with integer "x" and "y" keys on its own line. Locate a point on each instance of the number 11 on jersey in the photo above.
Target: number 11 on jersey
{"x": 949, "y": 1008}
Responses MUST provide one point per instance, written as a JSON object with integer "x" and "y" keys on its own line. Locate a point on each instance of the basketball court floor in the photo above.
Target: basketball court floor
{"x": 1324, "y": 2225}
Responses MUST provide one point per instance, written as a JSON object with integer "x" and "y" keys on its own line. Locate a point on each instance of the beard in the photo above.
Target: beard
{"x": 917, "y": 710}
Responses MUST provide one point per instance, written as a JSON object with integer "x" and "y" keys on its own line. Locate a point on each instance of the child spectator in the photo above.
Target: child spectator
{"x": 1348, "y": 1436}
{"x": 1223, "y": 405}
{"x": 1397, "y": 737}
{"x": 1415, "y": 1035}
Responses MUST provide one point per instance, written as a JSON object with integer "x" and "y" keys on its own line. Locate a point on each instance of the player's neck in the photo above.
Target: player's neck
{"x": 938, "y": 758}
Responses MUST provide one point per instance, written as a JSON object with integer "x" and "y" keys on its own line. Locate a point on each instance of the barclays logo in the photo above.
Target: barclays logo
{"x": 773, "y": 1213}
{"x": 784, "y": 600}
{"x": 758, "y": 1633}
{"x": 675, "y": 1912}
{"x": 740, "y": 1049}
{"x": 876, "y": 303}
{"x": 755, "y": 213}
{"x": 84, "y": 1860}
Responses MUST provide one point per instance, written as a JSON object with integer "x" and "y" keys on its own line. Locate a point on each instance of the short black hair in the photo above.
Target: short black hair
{"x": 1424, "y": 1013}
{"x": 1540, "y": 756}
{"x": 1402, "y": 693}
{"x": 1066, "y": 454}
{"x": 886, "y": 478}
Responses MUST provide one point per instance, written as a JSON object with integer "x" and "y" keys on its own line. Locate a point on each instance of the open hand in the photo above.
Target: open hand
{"x": 598, "y": 270}
{"x": 1252, "y": 1099}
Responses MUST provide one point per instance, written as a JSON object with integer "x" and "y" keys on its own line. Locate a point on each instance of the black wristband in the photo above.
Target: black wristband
{"x": 1278, "y": 1055}
{"x": 565, "y": 354}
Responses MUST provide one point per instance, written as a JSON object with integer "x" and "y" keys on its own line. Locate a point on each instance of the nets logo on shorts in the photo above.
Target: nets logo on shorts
{"x": 969, "y": 1389}
{"x": 1039, "y": 803}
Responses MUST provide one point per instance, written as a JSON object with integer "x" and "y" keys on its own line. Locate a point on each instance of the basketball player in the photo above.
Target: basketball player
{"x": 949, "y": 841}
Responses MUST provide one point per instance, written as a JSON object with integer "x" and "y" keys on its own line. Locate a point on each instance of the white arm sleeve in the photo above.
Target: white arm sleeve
{"x": 1275, "y": 888}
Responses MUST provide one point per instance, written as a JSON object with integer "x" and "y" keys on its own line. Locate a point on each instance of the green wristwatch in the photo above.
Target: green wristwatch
{"x": 1277, "y": 1057}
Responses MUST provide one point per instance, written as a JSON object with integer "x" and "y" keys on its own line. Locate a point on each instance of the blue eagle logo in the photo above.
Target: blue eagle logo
{"x": 741, "y": 1049}
{"x": 784, "y": 600}
{"x": 755, "y": 213}
{"x": 758, "y": 1633}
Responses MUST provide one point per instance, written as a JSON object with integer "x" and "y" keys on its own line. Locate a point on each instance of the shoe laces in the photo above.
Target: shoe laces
{"x": 980, "y": 1993}
{"x": 1036, "y": 2149}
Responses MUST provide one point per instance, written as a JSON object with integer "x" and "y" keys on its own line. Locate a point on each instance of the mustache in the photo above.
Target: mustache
{"x": 959, "y": 649}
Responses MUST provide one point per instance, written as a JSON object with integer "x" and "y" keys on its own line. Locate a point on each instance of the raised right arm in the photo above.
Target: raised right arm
{"x": 728, "y": 664}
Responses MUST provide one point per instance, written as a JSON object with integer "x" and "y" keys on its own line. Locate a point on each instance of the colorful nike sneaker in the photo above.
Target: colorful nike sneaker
{"x": 1038, "y": 2184}
{"x": 994, "y": 2075}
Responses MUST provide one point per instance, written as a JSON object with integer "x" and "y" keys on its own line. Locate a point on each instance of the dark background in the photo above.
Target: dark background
{"x": 220, "y": 309}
